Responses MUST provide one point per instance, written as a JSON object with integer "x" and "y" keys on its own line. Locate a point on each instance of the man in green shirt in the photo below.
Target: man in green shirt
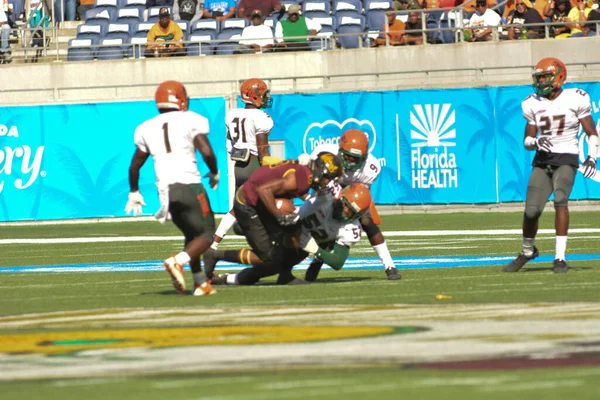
{"x": 292, "y": 34}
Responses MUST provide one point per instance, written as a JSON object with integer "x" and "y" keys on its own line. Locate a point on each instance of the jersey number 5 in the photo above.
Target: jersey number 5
{"x": 312, "y": 223}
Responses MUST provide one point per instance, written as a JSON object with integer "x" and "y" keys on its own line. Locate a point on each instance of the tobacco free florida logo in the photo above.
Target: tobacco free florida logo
{"x": 329, "y": 132}
{"x": 21, "y": 161}
{"x": 432, "y": 133}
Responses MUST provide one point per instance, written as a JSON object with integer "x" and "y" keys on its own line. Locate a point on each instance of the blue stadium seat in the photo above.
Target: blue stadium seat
{"x": 144, "y": 27}
{"x": 375, "y": 12}
{"x": 102, "y": 18}
{"x": 110, "y": 5}
{"x": 316, "y": 7}
{"x": 85, "y": 31}
{"x": 80, "y": 50}
{"x": 200, "y": 45}
{"x": 351, "y": 25}
{"x": 347, "y": 5}
{"x": 111, "y": 49}
{"x": 139, "y": 5}
{"x": 18, "y": 7}
{"x": 137, "y": 45}
{"x": 271, "y": 22}
{"x": 205, "y": 25}
{"x": 185, "y": 27}
{"x": 118, "y": 31}
{"x": 130, "y": 16}
{"x": 236, "y": 25}
{"x": 451, "y": 20}
{"x": 154, "y": 11}
{"x": 228, "y": 43}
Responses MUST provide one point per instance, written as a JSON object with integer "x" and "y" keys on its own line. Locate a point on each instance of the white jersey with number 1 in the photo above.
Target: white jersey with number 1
{"x": 366, "y": 175}
{"x": 243, "y": 125}
{"x": 169, "y": 138}
{"x": 558, "y": 119}
{"x": 316, "y": 217}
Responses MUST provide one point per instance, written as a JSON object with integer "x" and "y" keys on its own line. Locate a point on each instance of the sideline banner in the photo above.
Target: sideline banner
{"x": 72, "y": 161}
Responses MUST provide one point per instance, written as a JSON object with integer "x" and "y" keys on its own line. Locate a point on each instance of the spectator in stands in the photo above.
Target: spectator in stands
{"x": 558, "y": 11}
{"x": 266, "y": 7}
{"x": 393, "y": 28}
{"x": 414, "y": 29}
{"x": 157, "y": 3}
{"x": 257, "y": 37}
{"x": 187, "y": 10}
{"x": 470, "y": 6}
{"x": 287, "y": 31}
{"x": 38, "y": 20}
{"x": 593, "y": 20}
{"x": 165, "y": 38}
{"x": 525, "y": 14}
{"x": 219, "y": 9}
{"x": 401, "y": 5}
{"x": 83, "y": 6}
{"x": 5, "y": 54}
{"x": 69, "y": 11}
{"x": 578, "y": 16}
{"x": 481, "y": 22}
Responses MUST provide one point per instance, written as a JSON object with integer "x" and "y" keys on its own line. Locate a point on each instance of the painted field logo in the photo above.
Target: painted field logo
{"x": 329, "y": 132}
{"x": 433, "y": 132}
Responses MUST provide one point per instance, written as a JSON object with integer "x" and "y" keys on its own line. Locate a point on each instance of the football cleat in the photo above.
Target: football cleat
{"x": 204, "y": 289}
{"x": 176, "y": 272}
{"x": 209, "y": 263}
{"x": 516, "y": 264}
{"x": 220, "y": 279}
{"x": 393, "y": 274}
{"x": 560, "y": 266}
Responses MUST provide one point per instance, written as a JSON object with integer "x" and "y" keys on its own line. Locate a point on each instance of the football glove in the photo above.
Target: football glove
{"x": 590, "y": 166}
{"x": 543, "y": 144}
{"x": 213, "y": 180}
{"x": 289, "y": 219}
{"x": 304, "y": 159}
{"x": 134, "y": 204}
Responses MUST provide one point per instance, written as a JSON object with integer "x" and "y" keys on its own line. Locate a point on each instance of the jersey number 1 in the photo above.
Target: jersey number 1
{"x": 166, "y": 136}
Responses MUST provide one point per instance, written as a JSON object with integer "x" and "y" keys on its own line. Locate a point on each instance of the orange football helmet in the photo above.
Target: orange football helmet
{"x": 354, "y": 202}
{"x": 256, "y": 92}
{"x": 549, "y": 75}
{"x": 171, "y": 95}
{"x": 354, "y": 149}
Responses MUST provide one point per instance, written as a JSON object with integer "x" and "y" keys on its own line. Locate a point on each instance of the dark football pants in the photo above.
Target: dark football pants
{"x": 190, "y": 210}
{"x": 544, "y": 181}
{"x": 243, "y": 170}
{"x": 262, "y": 231}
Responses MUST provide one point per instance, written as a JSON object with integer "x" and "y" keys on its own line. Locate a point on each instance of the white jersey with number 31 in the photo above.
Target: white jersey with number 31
{"x": 366, "y": 175}
{"x": 169, "y": 138}
{"x": 316, "y": 217}
{"x": 558, "y": 118}
{"x": 243, "y": 125}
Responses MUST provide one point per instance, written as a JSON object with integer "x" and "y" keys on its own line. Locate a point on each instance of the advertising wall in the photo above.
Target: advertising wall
{"x": 434, "y": 146}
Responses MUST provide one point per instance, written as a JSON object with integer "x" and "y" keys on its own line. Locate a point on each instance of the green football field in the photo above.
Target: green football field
{"x": 122, "y": 332}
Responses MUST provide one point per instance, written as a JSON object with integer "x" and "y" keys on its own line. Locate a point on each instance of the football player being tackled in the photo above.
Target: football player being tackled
{"x": 248, "y": 131}
{"x": 265, "y": 225}
{"x": 554, "y": 116}
{"x": 359, "y": 167}
{"x": 172, "y": 138}
{"x": 327, "y": 228}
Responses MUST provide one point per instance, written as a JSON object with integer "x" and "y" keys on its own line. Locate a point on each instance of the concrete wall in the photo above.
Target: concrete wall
{"x": 468, "y": 64}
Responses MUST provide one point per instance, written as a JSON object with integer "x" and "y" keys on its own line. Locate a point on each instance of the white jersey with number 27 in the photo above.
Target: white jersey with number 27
{"x": 169, "y": 138}
{"x": 558, "y": 118}
{"x": 316, "y": 216}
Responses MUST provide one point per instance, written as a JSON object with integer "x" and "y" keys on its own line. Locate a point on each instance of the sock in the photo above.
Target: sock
{"x": 232, "y": 279}
{"x": 528, "y": 246}
{"x": 199, "y": 278}
{"x": 384, "y": 255}
{"x": 225, "y": 225}
{"x": 561, "y": 247}
{"x": 182, "y": 258}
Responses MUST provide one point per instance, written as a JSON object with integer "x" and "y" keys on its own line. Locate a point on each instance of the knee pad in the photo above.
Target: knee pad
{"x": 533, "y": 212}
{"x": 369, "y": 227}
{"x": 561, "y": 199}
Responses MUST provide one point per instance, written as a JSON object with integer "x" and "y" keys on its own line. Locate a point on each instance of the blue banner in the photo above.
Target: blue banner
{"x": 71, "y": 161}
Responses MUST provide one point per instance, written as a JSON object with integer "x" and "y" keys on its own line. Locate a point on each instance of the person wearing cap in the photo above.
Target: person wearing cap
{"x": 482, "y": 21}
{"x": 219, "y": 9}
{"x": 165, "y": 38}
{"x": 256, "y": 37}
{"x": 266, "y": 7}
{"x": 558, "y": 10}
{"x": 525, "y": 14}
{"x": 293, "y": 33}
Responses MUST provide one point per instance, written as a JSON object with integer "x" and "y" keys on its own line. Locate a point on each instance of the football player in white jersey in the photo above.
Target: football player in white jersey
{"x": 359, "y": 167}
{"x": 553, "y": 116}
{"x": 248, "y": 131}
{"x": 171, "y": 138}
{"x": 328, "y": 227}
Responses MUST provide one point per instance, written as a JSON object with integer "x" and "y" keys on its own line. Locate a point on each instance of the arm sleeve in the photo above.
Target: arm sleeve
{"x": 278, "y": 32}
{"x": 528, "y": 113}
{"x": 336, "y": 257}
{"x": 176, "y": 15}
{"x": 584, "y": 106}
{"x": 310, "y": 24}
